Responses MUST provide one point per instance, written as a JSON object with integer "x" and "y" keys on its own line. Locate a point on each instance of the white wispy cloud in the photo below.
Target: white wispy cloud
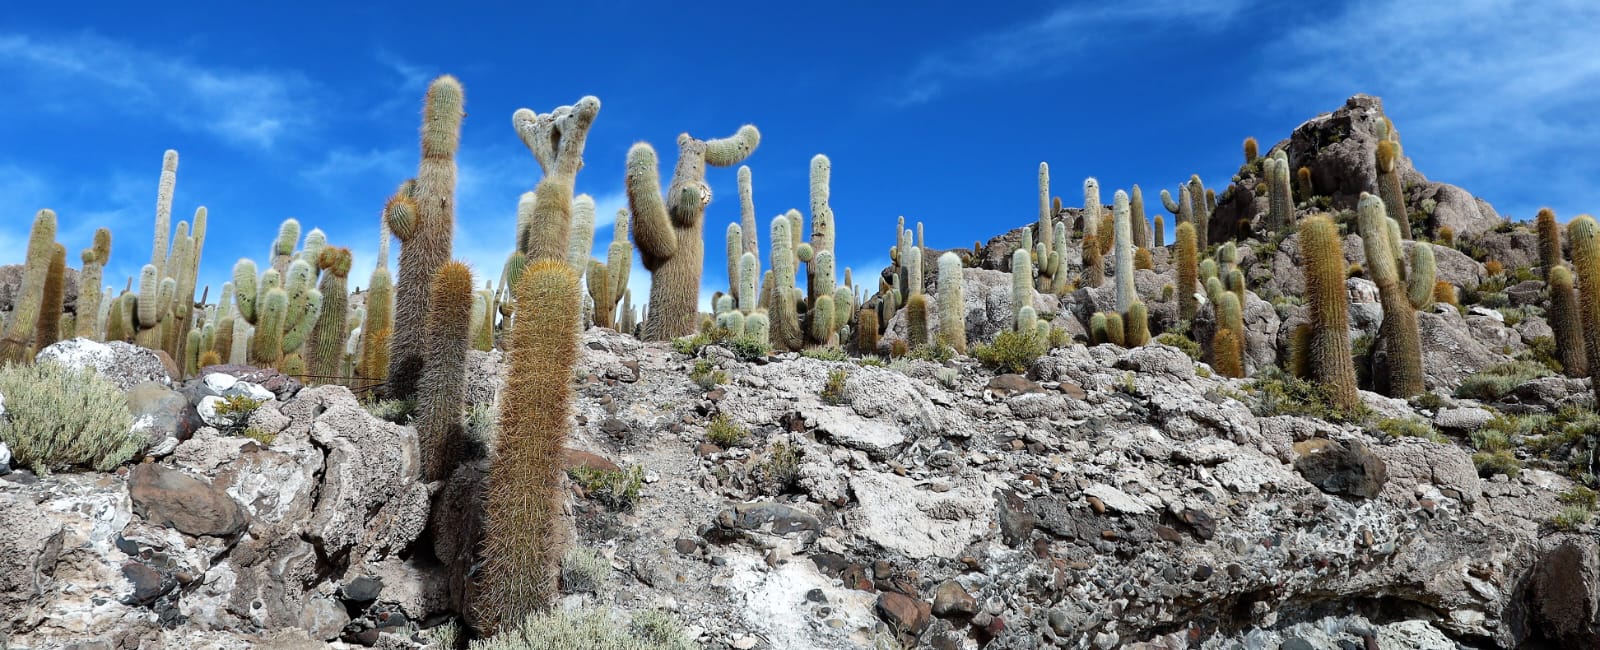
{"x": 1493, "y": 95}
{"x": 1040, "y": 47}
{"x": 97, "y": 76}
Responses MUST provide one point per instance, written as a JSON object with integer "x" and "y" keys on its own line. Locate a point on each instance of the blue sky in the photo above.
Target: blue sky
{"x": 939, "y": 111}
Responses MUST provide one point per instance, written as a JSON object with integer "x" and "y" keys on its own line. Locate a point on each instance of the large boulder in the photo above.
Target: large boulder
{"x": 125, "y": 364}
{"x": 170, "y": 497}
{"x": 30, "y": 543}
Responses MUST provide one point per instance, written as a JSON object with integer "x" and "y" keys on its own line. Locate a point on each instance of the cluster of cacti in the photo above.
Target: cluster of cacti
{"x": 668, "y": 232}
{"x": 1280, "y": 202}
{"x": 1402, "y": 376}
{"x": 281, "y": 308}
{"x": 422, "y": 215}
{"x": 1390, "y": 189}
{"x": 1564, "y": 319}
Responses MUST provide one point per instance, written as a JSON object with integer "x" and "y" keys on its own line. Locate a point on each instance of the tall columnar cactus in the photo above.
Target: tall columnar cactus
{"x": 1094, "y": 272}
{"x": 1141, "y": 228}
{"x": 747, "y": 213}
{"x": 867, "y": 331}
{"x": 785, "y": 321}
{"x": 1091, "y": 206}
{"x": 1583, "y": 236}
{"x": 1227, "y": 345}
{"x": 1330, "y": 361}
{"x": 1046, "y": 217}
{"x": 1421, "y": 280}
{"x": 580, "y": 241}
{"x": 325, "y": 346}
{"x": 164, "y": 191}
{"x": 89, "y": 323}
{"x": 1123, "y": 231}
{"x": 952, "y": 308}
{"x": 1188, "y": 271}
{"x": 1390, "y": 189}
{"x": 1280, "y": 201}
{"x": 422, "y": 216}
{"x": 17, "y": 343}
{"x": 523, "y": 542}
{"x": 1160, "y": 232}
{"x": 1021, "y": 286}
{"x": 1403, "y": 376}
{"x": 376, "y": 328}
{"x": 48, "y": 328}
{"x": 1564, "y": 320}
{"x": 441, "y": 392}
{"x": 668, "y": 232}
{"x": 1202, "y": 210}
{"x": 1549, "y": 240}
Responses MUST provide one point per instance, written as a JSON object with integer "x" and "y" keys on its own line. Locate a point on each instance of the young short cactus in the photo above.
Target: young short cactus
{"x": 1136, "y": 325}
{"x": 1116, "y": 330}
{"x": 1403, "y": 368}
{"x": 668, "y": 232}
{"x": 1097, "y": 328}
{"x": 867, "y": 331}
{"x": 1227, "y": 344}
{"x": 952, "y": 309}
{"x": 16, "y": 345}
{"x": 1330, "y": 361}
{"x": 1566, "y": 324}
{"x": 916, "y": 320}
{"x": 522, "y": 545}
{"x": 422, "y": 216}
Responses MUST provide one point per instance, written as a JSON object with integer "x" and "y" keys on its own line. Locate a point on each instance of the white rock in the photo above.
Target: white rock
{"x": 250, "y": 390}
{"x": 220, "y": 382}
{"x": 898, "y": 516}
{"x": 5, "y": 459}
{"x": 875, "y": 437}
{"x": 1117, "y": 499}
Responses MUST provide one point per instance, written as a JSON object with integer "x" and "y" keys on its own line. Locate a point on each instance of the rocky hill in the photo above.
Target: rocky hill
{"x": 1094, "y": 496}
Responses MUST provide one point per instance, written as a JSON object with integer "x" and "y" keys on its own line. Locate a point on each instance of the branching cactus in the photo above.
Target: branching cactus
{"x": 523, "y": 543}
{"x": 556, "y": 140}
{"x": 1403, "y": 368}
{"x": 325, "y": 349}
{"x": 89, "y": 323}
{"x": 422, "y": 216}
{"x": 668, "y": 232}
{"x": 1124, "y": 251}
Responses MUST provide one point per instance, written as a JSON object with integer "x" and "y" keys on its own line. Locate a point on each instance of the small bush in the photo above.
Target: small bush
{"x": 615, "y": 489}
{"x": 583, "y": 571}
{"x": 443, "y": 637}
{"x": 1498, "y": 462}
{"x": 725, "y": 432}
{"x": 58, "y": 417}
{"x": 947, "y": 377}
{"x": 482, "y": 430}
{"x": 1497, "y": 381}
{"x": 1431, "y": 401}
{"x": 690, "y": 345}
{"x": 833, "y": 389}
{"x": 747, "y": 347}
{"x": 266, "y": 439}
{"x": 1542, "y": 350}
{"x": 590, "y": 628}
{"x": 1572, "y": 517}
{"x": 932, "y": 352}
{"x": 397, "y": 411}
{"x": 1011, "y": 351}
{"x": 706, "y": 374}
{"x": 782, "y": 465}
{"x": 1277, "y": 393}
{"x": 238, "y": 408}
{"x": 1410, "y": 428}
{"x": 1181, "y": 342}
{"x": 825, "y": 353}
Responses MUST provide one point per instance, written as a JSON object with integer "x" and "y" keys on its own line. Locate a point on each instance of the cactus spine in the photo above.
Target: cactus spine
{"x": 522, "y": 544}
{"x": 1399, "y": 329}
{"x": 17, "y": 343}
{"x": 1188, "y": 270}
{"x": 952, "y": 308}
{"x": 422, "y": 216}
{"x": 1123, "y": 231}
{"x": 1564, "y": 320}
{"x": 668, "y": 232}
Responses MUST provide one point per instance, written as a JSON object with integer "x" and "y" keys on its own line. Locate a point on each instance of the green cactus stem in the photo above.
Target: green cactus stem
{"x": 1403, "y": 376}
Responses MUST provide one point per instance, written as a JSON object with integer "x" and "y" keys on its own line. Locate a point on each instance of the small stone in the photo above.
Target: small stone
{"x": 1169, "y": 534}
{"x": 614, "y": 426}
{"x": 816, "y": 596}
{"x": 1097, "y": 505}
{"x": 903, "y": 612}
{"x": 169, "y": 497}
{"x": 361, "y": 590}
{"x": 1202, "y": 573}
{"x": 147, "y": 583}
{"x": 744, "y": 643}
{"x": 1060, "y": 624}
{"x": 951, "y": 599}
{"x": 1073, "y": 390}
{"x": 685, "y": 546}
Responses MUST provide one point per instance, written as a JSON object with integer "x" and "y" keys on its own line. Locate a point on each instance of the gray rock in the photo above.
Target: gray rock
{"x": 1341, "y": 466}
{"x": 162, "y": 415}
{"x": 324, "y": 619}
{"x": 1565, "y": 592}
{"x": 895, "y": 514}
{"x": 169, "y": 497}
{"x": 1463, "y": 419}
{"x": 126, "y": 365}
{"x": 30, "y": 544}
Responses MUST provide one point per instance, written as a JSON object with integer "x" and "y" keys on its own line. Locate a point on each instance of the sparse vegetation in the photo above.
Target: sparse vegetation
{"x": 1181, "y": 342}
{"x": 833, "y": 388}
{"x": 57, "y": 417}
{"x": 1011, "y": 351}
{"x": 1277, "y": 393}
{"x": 1497, "y": 381}
{"x": 397, "y": 411}
{"x": 825, "y": 353}
{"x": 584, "y": 571}
{"x": 590, "y": 628}
{"x": 1410, "y": 428}
{"x": 706, "y": 375}
{"x": 724, "y": 432}
{"x": 616, "y": 489}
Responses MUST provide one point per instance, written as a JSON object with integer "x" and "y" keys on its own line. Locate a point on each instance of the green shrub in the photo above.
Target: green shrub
{"x": 1410, "y": 428}
{"x": 833, "y": 388}
{"x": 583, "y": 571}
{"x": 747, "y": 347}
{"x": 265, "y": 438}
{"x": 443, "y": 637}
{"x": 1430, "y": 401}
{"x": 1572, "y": 517}
{"x": 947, "y": 376}
{"x": 1497, "y": 462}
{"x": 725, "y": 432}
{"x": 1181, "y": 342}
{"x": 1278, "y": 393}
{"x": 238, "y": 408}
{"x": 706, "y": 374}
{"x": 397, "y": 411}
{"x": 825, "y": 353}
{"x": 782, "y": 465}
{"x": 932, "y": 352}
{"x": 616, "y": 489}
{"x": 58, "y": 417}
{"x": 1542, "y": 350}
{"x": 590, "y": 628}
{"x": 1497, "y": 381}
{"x": 1011, "y": 351}
{"x": 690, "y": 345}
